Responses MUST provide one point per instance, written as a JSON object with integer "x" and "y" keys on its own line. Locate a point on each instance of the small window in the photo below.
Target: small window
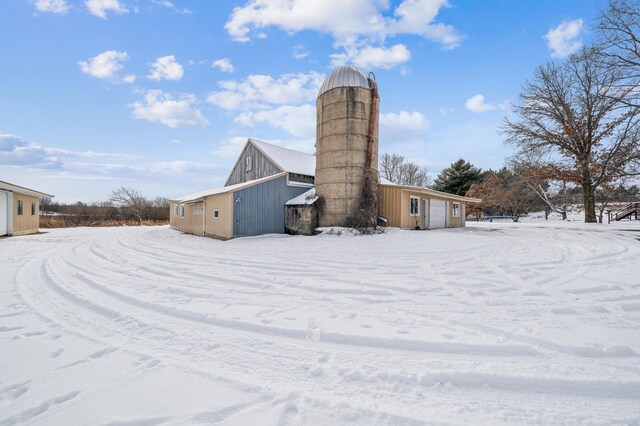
{"x": 415, "y": 205}
{"x": 33, "y": 208}
{"x": 456, "y": 209}
{"x": 216, "y": 213}
{"x": 20, "y": 207}
{"x": 175, "y": 210}
{"x": 248, "y": 162}
{"x": 181, "y": 210}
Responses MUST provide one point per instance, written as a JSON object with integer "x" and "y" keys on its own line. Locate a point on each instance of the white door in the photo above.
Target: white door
{"x": 437, "y": 214}
{"x": 4, "y": 213}
{"x": 425, "y": 214}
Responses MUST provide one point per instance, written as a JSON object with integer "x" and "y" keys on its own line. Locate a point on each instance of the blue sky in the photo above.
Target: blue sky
{"x": 160, "y": 95}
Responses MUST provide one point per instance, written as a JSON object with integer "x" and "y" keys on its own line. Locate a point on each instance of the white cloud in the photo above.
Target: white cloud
{"x": 166, "y": 68}
{"x": 162, "y": 107}
{"x": 230, "y": 147}
{"x": 373, "y": 57}
{"x": 403, "y": 126}
{"x": 78, "y": 168}
{"x": 260, "y": 91}
{"x": 169, "y": 5}
{"x": 59, "y": 7}
{"x": 299, "y": 52}
{"x": 223, "y": 65}
{"x": 360, "y": 24}
{"x": 477, "y": 104}
{"x": 564, "y": 40}
{"x": 105, "y": 65}
{"x": 16, "y": 151}
{"x": 298, "y": 121}
{"x": 129, "y": 78}
{"x": 100, "y": 8}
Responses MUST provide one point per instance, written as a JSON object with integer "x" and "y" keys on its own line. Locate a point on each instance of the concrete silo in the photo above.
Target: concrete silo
{"x": 346, "y": 143}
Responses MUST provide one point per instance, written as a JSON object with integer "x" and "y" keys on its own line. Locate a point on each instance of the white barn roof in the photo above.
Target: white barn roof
{"x": 224, "y": 189}
{"x": 287, "y": 160}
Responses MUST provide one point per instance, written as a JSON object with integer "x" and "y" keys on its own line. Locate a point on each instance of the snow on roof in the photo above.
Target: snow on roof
{"x": 288, "y": 160}
{"x": 387, "y": 182}
{"x": 304, "y": 199}
{"x": 22, "y": 190}
{"x": 207, "y": 192}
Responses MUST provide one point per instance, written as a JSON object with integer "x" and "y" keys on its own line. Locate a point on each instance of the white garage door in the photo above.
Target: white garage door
{"x": 437, "y": 214}
{"x": 4, "y": 213}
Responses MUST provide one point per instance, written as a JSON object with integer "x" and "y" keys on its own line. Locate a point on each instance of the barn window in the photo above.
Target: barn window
{"x": 20, "y": 207}
{"x": 175, "y": 210}
{"x": 248, "y": 162}
{"x": 456, "y": 209}
{"x": 181, "y": 210}
{"x": 415, "y": 205}
{"x": 216, "y": 213}
{"x": 33, "y": 208}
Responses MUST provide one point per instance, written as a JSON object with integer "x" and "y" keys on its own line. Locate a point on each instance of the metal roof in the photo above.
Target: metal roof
{"x": 345, "y": 76}
{"x": 22, "y": 190}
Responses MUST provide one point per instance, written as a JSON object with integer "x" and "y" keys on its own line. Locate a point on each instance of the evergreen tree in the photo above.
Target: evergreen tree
{"x": 457, "y": 178}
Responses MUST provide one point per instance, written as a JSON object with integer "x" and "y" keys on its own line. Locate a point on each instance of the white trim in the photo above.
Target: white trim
{"x": 453, "y": 209}
{"x": 176, "y": 208}
{"x": 216, "y": 217}
{"x": 20, "y": 208}
{"x": 426, "y": 212}
{"x": 411, "y": 198}
{"x": 248, "y": 163}
{"x": 10, "y": 213}
{"x": 447, "y": 219}
{"x": 464, "y": 214}
{"x": 182, "y": 210}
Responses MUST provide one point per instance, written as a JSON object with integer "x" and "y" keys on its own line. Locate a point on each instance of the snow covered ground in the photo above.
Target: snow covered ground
{"x": 498, "y": 323}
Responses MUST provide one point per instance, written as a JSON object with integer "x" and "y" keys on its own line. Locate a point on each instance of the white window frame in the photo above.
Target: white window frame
{"x": 20, "y": 208}
{"x": 216, "y": 217}
{"x": 411, "y": 198}
{"x": 455, "y": 209}
{"x": 175, "y": 210}
{"x": 181, "y": 210}
{"x": 248, "y": 163}
{"x": 33, "y": 208}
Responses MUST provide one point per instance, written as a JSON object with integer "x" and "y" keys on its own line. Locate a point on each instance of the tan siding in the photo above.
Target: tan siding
{"x": 395, "y": 206}
{"x": 184, "y": 224}
{"x": 222, "y": 226}
{"x": 26, "y": 223}
{"x": 408, "y": 221}
{"x": 390, "y": 205}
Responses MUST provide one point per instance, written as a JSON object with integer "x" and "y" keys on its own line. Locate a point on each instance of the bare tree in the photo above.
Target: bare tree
{"x": 571, "y": 124}
{"x": 398, "y": 169}
{"x": 554, "y": 194}
{"x": 619, "y": 45}
{"x": 131, "y": 201}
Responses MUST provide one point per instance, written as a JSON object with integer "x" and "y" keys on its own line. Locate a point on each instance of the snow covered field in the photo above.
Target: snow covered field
{"x": 498, "y": 323}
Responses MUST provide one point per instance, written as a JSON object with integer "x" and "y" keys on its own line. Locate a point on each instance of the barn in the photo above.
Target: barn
{"x": 263, "y": 179}
{"x": 19, "y": 209}
{"x": 275, "y": 190}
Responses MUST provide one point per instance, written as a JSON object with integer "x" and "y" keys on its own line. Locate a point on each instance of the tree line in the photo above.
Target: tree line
{"x": 125, "y": 206}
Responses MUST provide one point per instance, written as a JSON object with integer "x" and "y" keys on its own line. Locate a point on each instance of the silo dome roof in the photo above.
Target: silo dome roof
{"x": 345, "y": 76}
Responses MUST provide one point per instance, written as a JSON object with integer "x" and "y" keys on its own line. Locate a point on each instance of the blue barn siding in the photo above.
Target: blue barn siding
{"x": 259, "y": 209}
